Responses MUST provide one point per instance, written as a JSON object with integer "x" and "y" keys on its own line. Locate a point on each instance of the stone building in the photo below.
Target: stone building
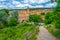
{"x": 23, "y": 14}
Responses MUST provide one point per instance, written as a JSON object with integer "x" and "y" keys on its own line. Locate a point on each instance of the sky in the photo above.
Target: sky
{"x": 23, "y": 4}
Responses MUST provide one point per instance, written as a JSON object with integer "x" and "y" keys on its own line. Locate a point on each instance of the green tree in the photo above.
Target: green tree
{"x": 49, "y": 17}
{"x": 35, "y": 18}
{"x": 57, "y": 15}
{"x": 4, "y": 13}
{"x": 13, "y": 22}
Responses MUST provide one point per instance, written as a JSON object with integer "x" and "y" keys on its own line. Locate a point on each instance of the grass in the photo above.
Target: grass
{"x": 17, "y": 32}
{"x": 33, "y": 37}
{"x": 54, "y": 31}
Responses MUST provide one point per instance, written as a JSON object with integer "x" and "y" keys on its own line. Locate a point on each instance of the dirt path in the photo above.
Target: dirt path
{"x": 45, "y": 35}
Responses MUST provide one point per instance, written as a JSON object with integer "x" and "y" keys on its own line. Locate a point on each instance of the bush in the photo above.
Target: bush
{"x": 3, "y": 17}
{"x": 42, "y": 13}
{"x": 54, "y": 31}
{"x": 12, "y": 22}
{"x": 57, "y": 20}
{"x": 57, "y": 24}
{"x": 35, "y": 18}
{"x": 7, "y": 33}
{"x": 1, "y": 25}
{"x": 49, "y": 18}
{"x": 57, "y": 15}
{"x": 16, "y": 33}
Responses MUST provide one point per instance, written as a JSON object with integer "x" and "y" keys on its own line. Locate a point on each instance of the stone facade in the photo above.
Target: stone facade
{"x": 24, "y": 13}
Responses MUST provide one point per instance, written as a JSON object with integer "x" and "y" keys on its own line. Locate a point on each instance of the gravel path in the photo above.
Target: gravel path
{"x": 45, "y": 35}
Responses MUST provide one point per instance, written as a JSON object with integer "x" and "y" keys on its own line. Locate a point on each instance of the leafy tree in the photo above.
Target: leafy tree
{"x": 43, "y": 13}
{"x": 57, "y": 15}
{"x": 5, "y": 18}
{"x": 13, "y": 22}
{"x": 6, "y": 11}
{"x": 49, "y": 17}
{"x": 4, "y": 15}
{"x": 35, "y": 18}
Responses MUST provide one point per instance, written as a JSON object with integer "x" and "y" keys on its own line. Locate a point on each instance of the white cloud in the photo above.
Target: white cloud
{"x": 22, "y": 5}
{"x": 27, "y": 3}
{"x": 38, "y": 1}
{"x": 2, "y": 0}
{"x": 40, "y": 6}
{"x": 51, "y": 4}
{"x": 16, "y": 2}
{"x": 1, "y": 6}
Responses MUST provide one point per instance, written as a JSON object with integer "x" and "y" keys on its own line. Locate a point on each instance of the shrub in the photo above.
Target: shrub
{"x": 42, "y": 13}
{"x": 49, "y": 17}
{"x": 57, "y": 21}
{"x": 4, "y": 13}
{"x": 1, "y": 25}
{"x": 35, "y": 18}
{"x": 16, "y": 33}
{"x": 54, "y": 31}
{"x": 57, "y": 16}
{"x": 12, "y": 22}
{"x": 57, "y": 24}
{"x": 7, "y": 33}
{"x": 3, "y": 17}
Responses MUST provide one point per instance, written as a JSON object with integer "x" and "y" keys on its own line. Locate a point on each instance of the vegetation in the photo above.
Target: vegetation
{"x": 35, "y": 18}
{"x": 53, "y": 21}
{"x": 56, "y": 32}
{"x": 11, "y": 30}
{"x": 6, "y": 20}
{"x": 3, "y": 17}
{"x": 57, "y": 15}
{"x": 49, "y": 17}
{"x": 43, "y": 13}
{"x": 16, "y": 33}
{"x": 13, "y": 22}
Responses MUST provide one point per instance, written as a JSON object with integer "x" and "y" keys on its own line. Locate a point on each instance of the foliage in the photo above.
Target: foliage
{"x": 1, "y": 25}
{"x": 35, "y": 18}
{"x": 43, "y": 13}
{"x": 13, "y": 22}
{"x": 6, "y": 11}
{"x": 57, "y": 21}
{"x": 57, "y": 15}
{"x": 3, "y": 16}
{"x": 55, "y": 28}
{"x": 49, "y": 17}
{"x": 15, "y": 14}
{"x": 33, "y": 37}
{"x": 54, "y": 31}
{"x": 16, "y": 33}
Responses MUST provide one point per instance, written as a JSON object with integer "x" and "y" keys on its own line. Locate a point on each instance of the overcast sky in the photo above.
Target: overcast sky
{"x": 14, "y": 4}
